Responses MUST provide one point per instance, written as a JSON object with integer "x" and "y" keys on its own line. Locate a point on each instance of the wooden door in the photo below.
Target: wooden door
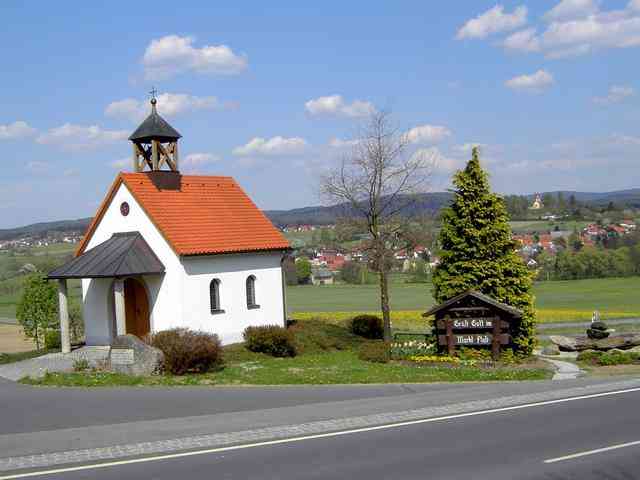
{"x": 136, "y": 307}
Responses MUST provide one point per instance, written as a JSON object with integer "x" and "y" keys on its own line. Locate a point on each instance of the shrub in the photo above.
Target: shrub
{"x": 367, "y": 326}
{"x": 80, "y": 365}
{"x": 187, "y": 351}
{"x": 618, "y": 358}
{"x": 270, "y": 339}
{"x": 377, "y": 352}
{"x": 52, "y": 340}
{"x": 590, "y": 356}
{"x": 37, "y": 308}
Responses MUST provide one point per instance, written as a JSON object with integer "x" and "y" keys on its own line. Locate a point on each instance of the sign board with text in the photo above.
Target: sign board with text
{"x": 473, "y": 320}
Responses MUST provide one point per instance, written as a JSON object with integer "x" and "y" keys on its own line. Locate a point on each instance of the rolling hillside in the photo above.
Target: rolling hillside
{"x": 427, "y": 203}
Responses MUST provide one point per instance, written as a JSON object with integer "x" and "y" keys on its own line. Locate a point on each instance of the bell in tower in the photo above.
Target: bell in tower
{"x": 155, "y": 143}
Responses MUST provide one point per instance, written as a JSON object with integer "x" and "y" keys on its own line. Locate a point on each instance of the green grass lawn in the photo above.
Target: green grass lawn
{"x": 328, "y": 355}
{"x": 610, "y": 294}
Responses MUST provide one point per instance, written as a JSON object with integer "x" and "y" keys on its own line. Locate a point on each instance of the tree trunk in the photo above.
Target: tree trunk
{"x": 384, "y": 305}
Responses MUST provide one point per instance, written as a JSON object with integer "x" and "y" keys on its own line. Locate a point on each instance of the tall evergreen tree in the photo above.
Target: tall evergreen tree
{"x": 478, "y": 252}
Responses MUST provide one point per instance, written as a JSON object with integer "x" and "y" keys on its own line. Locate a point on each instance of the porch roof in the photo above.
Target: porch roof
{"x": 124, "y": 254}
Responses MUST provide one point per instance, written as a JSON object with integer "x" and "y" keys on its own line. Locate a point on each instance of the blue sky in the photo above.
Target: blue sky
{"x": 269, "y": 94}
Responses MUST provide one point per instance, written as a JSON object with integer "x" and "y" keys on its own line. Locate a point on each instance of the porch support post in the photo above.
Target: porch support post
{"x": 63, "y": 309}
{"x": 118, "y": 296}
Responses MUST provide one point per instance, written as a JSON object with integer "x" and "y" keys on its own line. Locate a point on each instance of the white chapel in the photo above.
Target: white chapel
{"x": 168, "y": 250}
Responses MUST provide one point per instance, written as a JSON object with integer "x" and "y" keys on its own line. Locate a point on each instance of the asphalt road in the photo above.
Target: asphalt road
{"x": 33, "y": 409}
{"x": 510, "y": 445}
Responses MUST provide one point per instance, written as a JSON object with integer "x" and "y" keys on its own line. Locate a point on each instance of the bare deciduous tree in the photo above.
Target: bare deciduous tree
{"x": 377, "y": 182}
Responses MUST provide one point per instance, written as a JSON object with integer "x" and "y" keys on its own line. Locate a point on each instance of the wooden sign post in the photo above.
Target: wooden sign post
{"x": 473, "y": 320}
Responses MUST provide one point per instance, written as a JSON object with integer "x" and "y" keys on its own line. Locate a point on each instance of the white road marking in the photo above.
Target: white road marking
{"x": 592, "y": 452}
{"x": 170, "y": 456}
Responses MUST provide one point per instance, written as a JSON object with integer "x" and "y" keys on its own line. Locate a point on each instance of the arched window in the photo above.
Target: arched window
{"x": 214, "y": 296}
{"x": 251, "y": 292}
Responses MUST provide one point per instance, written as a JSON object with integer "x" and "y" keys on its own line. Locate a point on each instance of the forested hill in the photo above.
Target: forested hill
{"x": 426, "y": 204}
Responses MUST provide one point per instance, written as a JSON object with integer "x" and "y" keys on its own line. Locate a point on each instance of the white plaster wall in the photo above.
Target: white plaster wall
{"x": 232, "y": 271}
{"x": 165, "y": 306}
{"x": 180, "y": 297}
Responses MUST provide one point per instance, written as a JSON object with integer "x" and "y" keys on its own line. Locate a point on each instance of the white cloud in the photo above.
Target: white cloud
{"x": 17, "y": 129}
{"x": 169, "y": 104}
{"x": 171, "y": 55}
{"x": 536, "y": 82}
{"x": 493, "y": 21}
{"x": 38, "y": 167}
{"x": 274, "y": 146}
{"x": 571, "y": 10}
{"x": 335, "y": 105}
{"x": 524, "y": 41}
{"x": 339, "y": 143}
{"x": 196, "y": 162}
{"x": 424, "y": 134}
{"x": 579, "y": 27}
{"x": 438, "y": 162}
{"x": 121, "y": 163}
{"x": 616, "y": 94}
{"x": 79, "y": 137}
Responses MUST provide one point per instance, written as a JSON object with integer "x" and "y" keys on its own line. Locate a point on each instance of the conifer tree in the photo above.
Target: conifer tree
{"x": 478, "y": 252}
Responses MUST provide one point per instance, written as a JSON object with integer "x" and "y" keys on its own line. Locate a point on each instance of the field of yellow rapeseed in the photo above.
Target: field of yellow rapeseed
{"x": 412, "y": 320}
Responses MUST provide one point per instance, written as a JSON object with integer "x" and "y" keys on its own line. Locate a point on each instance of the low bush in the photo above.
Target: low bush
{"x": 187, "y": 351}
{"x": 81, "y": 365}
{"x": 367, "y": 326}
{"x": 618, "y": 358}
{"x": 270, "y": 339}
{"x": 52, "y": 340}
{"x": 377, "y": 352}
{"x": 613, "y": 357}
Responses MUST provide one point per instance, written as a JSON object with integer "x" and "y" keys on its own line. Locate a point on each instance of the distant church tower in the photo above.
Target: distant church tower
{"x": 155, "y": 143}
{"x": 537, "y": 203}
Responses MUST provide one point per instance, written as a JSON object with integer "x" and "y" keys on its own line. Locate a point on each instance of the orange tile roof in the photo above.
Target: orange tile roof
{"x": 197, "y": 214}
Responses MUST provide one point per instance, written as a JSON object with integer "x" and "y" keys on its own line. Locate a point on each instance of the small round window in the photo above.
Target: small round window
{"x": 124, "y": 209}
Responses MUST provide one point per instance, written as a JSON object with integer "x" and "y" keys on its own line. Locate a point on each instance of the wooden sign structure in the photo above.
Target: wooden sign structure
{"x": 473, "y": 320}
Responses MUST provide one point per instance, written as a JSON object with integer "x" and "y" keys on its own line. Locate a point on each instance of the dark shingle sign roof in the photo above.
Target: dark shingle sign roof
{"x": 481, "y": 297}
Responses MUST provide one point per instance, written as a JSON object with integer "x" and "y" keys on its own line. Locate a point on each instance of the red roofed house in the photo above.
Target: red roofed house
{"x": 170, "y": 250}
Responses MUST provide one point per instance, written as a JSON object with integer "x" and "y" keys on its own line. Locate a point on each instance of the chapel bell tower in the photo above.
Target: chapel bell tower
{"x": 155, "y": 143}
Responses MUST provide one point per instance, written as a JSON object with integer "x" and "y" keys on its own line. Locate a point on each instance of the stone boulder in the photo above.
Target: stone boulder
{"x": 551, "y": 350}
{"x": 579, "y": 344}
{"x": 132, "y": 356}
{"x": 597, "y": 331}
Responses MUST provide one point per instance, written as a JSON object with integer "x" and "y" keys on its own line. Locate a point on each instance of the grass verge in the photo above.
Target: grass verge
{"x": 329, "y": 355}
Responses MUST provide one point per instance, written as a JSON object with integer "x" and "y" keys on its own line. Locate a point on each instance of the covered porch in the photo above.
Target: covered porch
{"x": 125, "y": 259}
